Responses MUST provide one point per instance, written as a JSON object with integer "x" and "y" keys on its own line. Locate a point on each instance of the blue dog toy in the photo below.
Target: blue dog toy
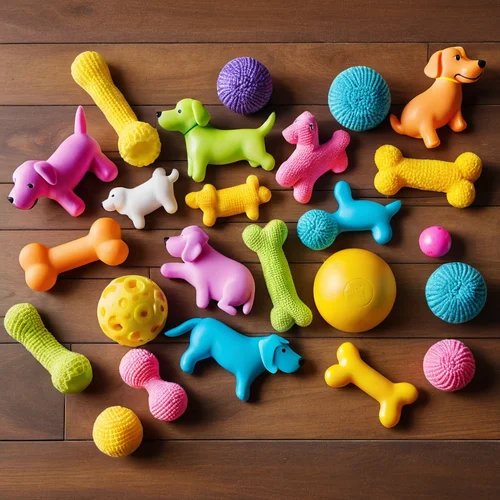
{"x": 318, "y": 229}
{"x": 245, "y": 357}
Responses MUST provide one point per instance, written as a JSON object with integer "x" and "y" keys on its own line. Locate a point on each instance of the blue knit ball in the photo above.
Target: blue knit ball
{"x": 359, "y": 98}
{"x": 317, "y": 229}
{"x": 456, "y": 292}
{"x": 244, "y": 85}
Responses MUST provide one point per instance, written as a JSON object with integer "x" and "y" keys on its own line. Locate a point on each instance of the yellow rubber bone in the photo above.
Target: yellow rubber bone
{"x": 244, "y": 198}
{"x": 352, "y": 369}
{"x": 453, "y": 178}
{"x": 138, "y": 142}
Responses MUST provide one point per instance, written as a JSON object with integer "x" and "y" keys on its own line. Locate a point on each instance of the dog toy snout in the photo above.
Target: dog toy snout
{"x": 140, "y": 369}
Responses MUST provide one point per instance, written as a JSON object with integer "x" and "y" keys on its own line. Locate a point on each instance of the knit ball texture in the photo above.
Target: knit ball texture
{"x": 317, "y": 230}
{"x": 359, "y": 98}
{"x": 117, "y": 431}
{"x": 244, "y": 85}
{"x": 449, "y": 365}
{"x": 456, "y": 292}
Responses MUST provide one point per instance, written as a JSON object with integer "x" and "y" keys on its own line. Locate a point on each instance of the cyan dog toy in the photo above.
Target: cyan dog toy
{"x": 245, "y": 357}
{"x": 318, "y": 229}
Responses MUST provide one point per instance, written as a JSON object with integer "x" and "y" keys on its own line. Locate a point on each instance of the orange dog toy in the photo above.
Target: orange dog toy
{"x": 42, "y": 265}
{"x": 441, "y": 104}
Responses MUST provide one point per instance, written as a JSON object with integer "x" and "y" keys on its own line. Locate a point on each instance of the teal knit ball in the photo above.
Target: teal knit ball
{"x": 317, "y": 229}
{"x": 359, "y": 98}
{"x": 456, "y": 292}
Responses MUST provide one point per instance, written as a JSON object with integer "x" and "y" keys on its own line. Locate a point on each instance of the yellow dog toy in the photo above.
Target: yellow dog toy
{"x": 138, "y": 142}
{"x": 352, "y": 369}
{"x": 235, "y": 200}
{"x": 455, "y": 179}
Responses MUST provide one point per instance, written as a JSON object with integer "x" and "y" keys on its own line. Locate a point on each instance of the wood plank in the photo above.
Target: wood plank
{"x": 261, "y": 21}
{"x": 309, "y": 407}
{"x": 31, "y": 407}
{"x": 163, "y": 74}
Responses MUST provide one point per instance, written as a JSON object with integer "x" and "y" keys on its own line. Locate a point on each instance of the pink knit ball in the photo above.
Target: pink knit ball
{"x": 139, "y": 368}
{"x": 449, "y": 365}
{"x": 435, "y": 241}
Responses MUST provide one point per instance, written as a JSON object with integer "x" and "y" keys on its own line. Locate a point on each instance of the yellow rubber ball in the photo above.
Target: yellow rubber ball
{"x": 117, "y": 431}
{"x": 132, "y": 310}
{"x": 354, "y": 290}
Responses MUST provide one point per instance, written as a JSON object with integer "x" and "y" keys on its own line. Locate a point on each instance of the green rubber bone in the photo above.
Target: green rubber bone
{"x": 71, "y": 372}
{"x": 207, "y": 145}
{"x": 268, "y": 244}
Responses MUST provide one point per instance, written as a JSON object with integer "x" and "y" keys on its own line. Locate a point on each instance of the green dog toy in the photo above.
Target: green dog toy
{"x": 267, "y": 243}
{"x": 71, "y": 372}
{"x": 206, "y": 145}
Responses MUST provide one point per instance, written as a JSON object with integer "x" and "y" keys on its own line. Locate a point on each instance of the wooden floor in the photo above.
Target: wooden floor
{"x": 297, "y": 438}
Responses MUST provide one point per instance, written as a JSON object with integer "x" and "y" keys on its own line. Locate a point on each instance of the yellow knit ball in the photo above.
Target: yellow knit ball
{"x": 117, "y": 431}
{"x": 132, "y": 310}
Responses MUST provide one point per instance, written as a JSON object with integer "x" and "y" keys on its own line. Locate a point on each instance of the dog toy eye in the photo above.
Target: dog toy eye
{"x": 283, "y": 350}
{"x": 311, "y": 126}
{"x": 179, "y": 111}
{"x": 30, "y": 186}
{"x": 457, "y": 57}
{"x": 112, "y": 196}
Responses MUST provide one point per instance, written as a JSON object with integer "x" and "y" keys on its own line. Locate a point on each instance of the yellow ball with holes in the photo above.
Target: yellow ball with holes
{"x": 117, "y": 431}
{"x": 132, "y": 310}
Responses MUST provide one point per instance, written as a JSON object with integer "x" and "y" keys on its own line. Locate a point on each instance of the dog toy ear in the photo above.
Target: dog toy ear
{"x": 47, "y": 172}
{"x": 433, "y": 68}
{"x": 201, "y": 115}
{"x": 267, "y": 349}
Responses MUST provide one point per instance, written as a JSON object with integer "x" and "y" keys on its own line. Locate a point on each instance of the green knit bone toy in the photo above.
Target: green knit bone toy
{"x": 71, "y": 372}
{"x": 267, "y": 243}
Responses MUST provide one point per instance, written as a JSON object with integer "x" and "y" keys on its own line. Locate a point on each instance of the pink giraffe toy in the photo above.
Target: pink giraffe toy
{"x": 139, "y": 368}
{"x": 57, "y": 177}
{"x": 310, "y": 160}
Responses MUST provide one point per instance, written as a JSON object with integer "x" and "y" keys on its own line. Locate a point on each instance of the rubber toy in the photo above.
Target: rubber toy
{"x": 207, "y": 145}
{"x": 354, "y": 290}
{"x": 138, "y": 142}
{"x": 117, "y": 432}
{"x": 57, "y": 177}
{"x": 456, "y": 292}
{"x": 245, "y": 357}
{"x": 42, "y": 265}
{"x": 241, "y": 199}
{"x": 455, "y": 179}
{"x": 435, "y": 241}
{"x": 441, "y": 104}
{"x": 70, "y": 371}
{"x": 132, "y": 310}
{"x": 140, "y": 369}
{"x": 449, "y": 365}
{"x": 267, "y": 243}
{"x": 310, "y": 160}
{"x": 359, "y": 98}
{"x": 145, "y": 198}
{"x": 353, "y": 370}
{"x": 318, "y": 229}
{"x": 244, "y": 85}
{"x": 213, "y": 275}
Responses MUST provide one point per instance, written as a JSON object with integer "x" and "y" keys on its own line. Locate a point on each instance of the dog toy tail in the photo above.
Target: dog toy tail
{"x": 397, "y": 125}
{"x": 266, "y": 127}
{"x": 80, "y": 121}
{"x": 184, "y": 327}
{"x": 393, "y": 208}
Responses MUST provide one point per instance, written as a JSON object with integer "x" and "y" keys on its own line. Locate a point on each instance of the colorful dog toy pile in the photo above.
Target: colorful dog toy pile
{"x": 354, "y": 289}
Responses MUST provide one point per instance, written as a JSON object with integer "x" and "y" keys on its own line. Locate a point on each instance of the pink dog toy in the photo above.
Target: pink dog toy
{"x": 57, "y": 177}
{"x": 310, "y": 160}
{"x": 213, "y": 275}
{"x": 449, "y": 365}
{"x": 140, "y": 369}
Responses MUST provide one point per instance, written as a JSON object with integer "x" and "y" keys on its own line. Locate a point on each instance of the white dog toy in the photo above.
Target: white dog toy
{"x": 147, "y": 197}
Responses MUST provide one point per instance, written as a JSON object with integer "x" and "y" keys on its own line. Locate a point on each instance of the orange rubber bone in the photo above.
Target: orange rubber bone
{"x": 352, "y": 369}
{"x": 42, "y": 265}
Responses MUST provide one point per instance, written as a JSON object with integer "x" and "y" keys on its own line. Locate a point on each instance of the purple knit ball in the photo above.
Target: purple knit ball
{"x": 244, "y": 85}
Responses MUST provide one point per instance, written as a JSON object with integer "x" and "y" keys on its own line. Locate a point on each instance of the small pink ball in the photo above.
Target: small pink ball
{"x": 449, "y": 365}
{"x": 435, "y": 241}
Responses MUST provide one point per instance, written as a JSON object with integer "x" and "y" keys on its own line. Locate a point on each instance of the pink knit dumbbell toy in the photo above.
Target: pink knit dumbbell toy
{"x": 140, "y": 369}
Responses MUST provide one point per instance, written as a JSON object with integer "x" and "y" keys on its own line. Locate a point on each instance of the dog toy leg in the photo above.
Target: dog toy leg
{"x": 104, "y": 169}
{"x": 457, "y": 123}
{"x": 243, "y": 384}
{"x": 71, "y": 372}
{"x": 72, "y": 203}
{"x": 138, "y": 142}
